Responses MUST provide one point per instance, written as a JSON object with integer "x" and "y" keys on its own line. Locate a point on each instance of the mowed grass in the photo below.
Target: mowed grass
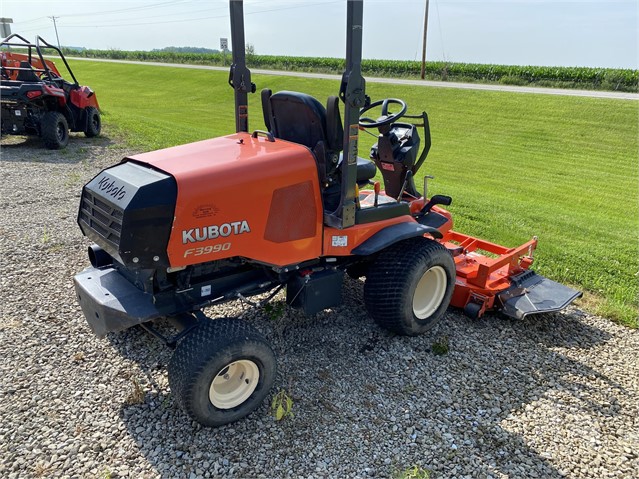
{"x": 517, "y": 165}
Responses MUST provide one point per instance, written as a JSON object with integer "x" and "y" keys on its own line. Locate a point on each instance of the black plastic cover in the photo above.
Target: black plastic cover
{"x": 128, "y": 210}
{"x": 392, "y": 235}
{"x": 110, "y": 302}
{"x": 320, "y": 290}
{"x": 531, "y": 293}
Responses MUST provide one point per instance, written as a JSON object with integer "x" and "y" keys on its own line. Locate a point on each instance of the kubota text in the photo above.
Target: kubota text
{"x": 215, "y": 231}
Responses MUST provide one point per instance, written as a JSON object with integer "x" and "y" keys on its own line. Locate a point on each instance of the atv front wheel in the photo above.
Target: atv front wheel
{"x": 94, "y": 122}
{"x": 55, "y": 130}
{"x": 409, "y": 286}
{"x": 221, "y": 371}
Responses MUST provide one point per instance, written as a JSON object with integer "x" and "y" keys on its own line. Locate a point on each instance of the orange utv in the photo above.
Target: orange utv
{"x": 291, "y": 207}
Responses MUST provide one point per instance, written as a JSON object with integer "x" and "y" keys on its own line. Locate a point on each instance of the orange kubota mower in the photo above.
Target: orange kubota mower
{"x": 290, "y": 207}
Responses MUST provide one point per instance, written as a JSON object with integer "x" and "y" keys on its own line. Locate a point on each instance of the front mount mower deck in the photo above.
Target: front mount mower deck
{"x": 36, "y": 100}
{"x": 293, "y": 208}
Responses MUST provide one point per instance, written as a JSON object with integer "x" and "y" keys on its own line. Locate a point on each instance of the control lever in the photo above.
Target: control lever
{"x": 376, "y": 188}
{"x": 435, "y": 200}
{"x": 409, "y": 175}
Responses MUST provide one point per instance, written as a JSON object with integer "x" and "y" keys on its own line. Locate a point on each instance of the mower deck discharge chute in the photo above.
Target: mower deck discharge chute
{"x": 292, "y": 207}
{"x": 36, "y": 100}
{"x": 502, "y": 281}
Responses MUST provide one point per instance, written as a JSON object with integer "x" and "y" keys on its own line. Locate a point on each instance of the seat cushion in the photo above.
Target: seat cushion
{"x": 366, "y": 169}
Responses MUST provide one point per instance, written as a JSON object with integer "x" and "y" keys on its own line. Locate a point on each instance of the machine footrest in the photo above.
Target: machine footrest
{"x": 531, "y": 293}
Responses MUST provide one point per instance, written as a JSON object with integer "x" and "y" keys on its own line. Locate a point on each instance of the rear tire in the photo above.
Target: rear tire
{"x": 55, "y": 130}
{"x": 221, "y": 371}
{"x": 94, "y": 122}
{"x": 409, "y": 286}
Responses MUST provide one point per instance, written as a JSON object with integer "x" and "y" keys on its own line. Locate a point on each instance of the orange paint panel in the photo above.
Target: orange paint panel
{"x": 341, "y": 242}
{"x": 225, "y": 189}
{"x": 11, "y": 60}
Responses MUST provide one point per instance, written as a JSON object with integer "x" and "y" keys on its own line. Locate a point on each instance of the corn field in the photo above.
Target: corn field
{"x": 564, "y": 77}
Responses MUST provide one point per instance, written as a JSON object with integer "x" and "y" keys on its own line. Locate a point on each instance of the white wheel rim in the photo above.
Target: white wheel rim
{"x": 429, "y": 292}
{"x": 234, "y": 384}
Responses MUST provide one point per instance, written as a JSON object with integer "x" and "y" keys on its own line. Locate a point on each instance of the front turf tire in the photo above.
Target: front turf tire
{"x": 409, "y": 286}
{"x": 221, "y": 371}
{"x": 55, "y": 130}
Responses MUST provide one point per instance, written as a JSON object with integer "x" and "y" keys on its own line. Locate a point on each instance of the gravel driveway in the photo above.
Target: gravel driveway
{"x": 554, "y": 396}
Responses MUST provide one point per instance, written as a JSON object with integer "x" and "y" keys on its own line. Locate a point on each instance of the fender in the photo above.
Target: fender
{"x": 392, "y": 235}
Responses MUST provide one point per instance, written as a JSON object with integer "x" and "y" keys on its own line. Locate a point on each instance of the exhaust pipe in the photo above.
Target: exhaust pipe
{"x": 98, "y": 257}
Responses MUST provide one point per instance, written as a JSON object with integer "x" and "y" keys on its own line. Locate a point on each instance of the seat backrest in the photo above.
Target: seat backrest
{"x": 26, "y": 73}
{"x": 300, "y": 118}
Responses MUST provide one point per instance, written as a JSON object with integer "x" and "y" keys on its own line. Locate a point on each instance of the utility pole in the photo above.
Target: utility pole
{"x": 424, "y": 47}
{"x": 56, "y": 30}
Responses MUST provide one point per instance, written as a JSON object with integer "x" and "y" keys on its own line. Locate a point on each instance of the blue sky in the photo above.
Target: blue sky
{"x": 525, "y": 32}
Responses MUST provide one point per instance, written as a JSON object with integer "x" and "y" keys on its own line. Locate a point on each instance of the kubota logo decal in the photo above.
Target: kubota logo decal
{"x": 215, "y": 231}
{"x": 109, "y": 187}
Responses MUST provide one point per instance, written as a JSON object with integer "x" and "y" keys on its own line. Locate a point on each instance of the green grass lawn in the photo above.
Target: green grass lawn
{"x": 517, "y": 165}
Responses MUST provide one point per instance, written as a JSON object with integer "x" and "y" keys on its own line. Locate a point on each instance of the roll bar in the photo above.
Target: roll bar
{"x": 38, "y": 46}
{"x": 352, "y": 92}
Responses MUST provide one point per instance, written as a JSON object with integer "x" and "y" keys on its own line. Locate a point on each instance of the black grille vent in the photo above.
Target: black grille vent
{"x": 101, "y": 218}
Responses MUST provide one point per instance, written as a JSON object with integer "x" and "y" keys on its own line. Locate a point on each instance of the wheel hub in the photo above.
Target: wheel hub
{"x": 429, "y": 292}
{"x": 234, "y": 384}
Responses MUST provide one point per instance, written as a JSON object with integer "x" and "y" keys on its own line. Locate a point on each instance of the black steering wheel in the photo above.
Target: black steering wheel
{"x": 386, "y": 118}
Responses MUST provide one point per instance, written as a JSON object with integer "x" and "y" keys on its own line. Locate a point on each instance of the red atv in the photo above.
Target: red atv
{"x": 36, "y": 100}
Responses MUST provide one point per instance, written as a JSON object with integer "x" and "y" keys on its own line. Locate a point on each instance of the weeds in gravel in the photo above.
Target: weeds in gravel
{"x": 371, "y": 388}
{"x": 275, "y": 310}
{"x": 282, "y": 405}
{"x": 79, "y": 356}
{"x": 166, "y": 402}
{"x": 440, "y": 346}
{"x": 55, "y": 247}
{"x": 42, "y": 470}
{"x": 72, "y": 179}
{"x": 46, "y": 237}
{"x": 136, "y": 395}
{"x": 414, "y": 472}
{"x": 10, "y": 324}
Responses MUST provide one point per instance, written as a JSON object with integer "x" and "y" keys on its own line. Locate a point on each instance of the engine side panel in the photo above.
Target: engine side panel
{"x": 242, "y": 196}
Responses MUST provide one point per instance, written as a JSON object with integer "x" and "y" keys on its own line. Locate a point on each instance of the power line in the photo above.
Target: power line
{"x": 441, "y": 36}
{"x": 198, "y": 18}
{"x": 108, "y": 12}
{"x": 163, "y": 15}
{"x": 32, "y": 20}
{"x": 140, "y": 7}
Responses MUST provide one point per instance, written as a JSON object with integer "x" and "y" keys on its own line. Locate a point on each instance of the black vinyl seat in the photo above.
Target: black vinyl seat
{"x": 366, "y": 170}
{"x": 300, "y": 118}
{"x": 26, "y": 73}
